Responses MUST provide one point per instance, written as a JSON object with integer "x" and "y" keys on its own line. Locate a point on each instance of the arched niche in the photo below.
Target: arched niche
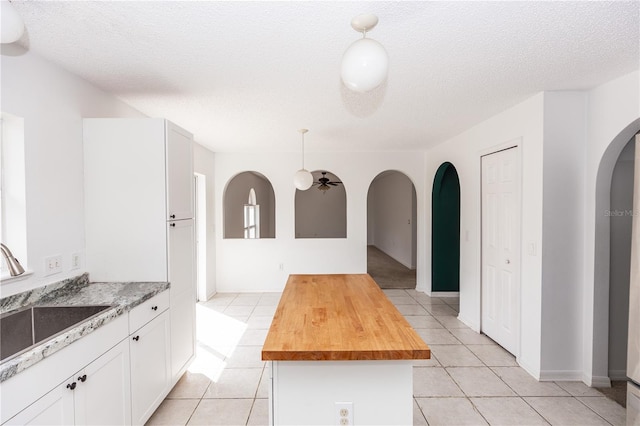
{"x": 391, "y": 230}
{"x": 249, "y": 206}
{"x": 321, "y": 211}
{"x": 445, "y": 230}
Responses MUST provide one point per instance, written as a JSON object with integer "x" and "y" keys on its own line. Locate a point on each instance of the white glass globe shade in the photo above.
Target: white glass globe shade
{"x": 364, "y": 65}
{"x": 12, "y": 25}
{"x": 303, "y": 179}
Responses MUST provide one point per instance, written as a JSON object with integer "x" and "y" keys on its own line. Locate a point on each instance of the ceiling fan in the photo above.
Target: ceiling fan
{"x": 324, "y": 183}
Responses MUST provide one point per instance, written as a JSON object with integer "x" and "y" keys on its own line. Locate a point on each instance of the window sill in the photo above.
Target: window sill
{"x": 9, "y": 279}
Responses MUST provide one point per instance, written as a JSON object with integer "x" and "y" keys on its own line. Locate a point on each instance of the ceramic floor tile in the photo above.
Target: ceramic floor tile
{"x": 423, "y": 299}
{"x": 253, "y": 337}
{"x": 258, "y": 322}
{"x": 430, "y": 382}
{"x": 442, "y": 310}
{"x": 525, "y": 385}
{"x": 173, "y": 412}
{"x": 245, "y": 300}
{"x": 455, "y": 356}
{"x": 578, "y": 389}
{"x": 450, "y": 322}
{"x": 235, "y": 383}
{"x": 394, "y": 292}
{"x": 402, "y": 300}
{"x": 263, "y": 386}
{"x": 450, "y": 411}
{"x": 610, "y": 410}
{"x": 507, "y": 411}
{"x": 227, "y": 412}
{"x": 418, "y": 417}
{"x": 470, "y": 337}
{"x": 423, "y": 321}
{"x": 437, "y": 336}
{"x": 451, "y": 300}
{"x": 190, "y": 386}
{"x": 493, "y": 355}
{"x": 259, "y": 412}
{"x": 564, "y": 411}
{"x": 479, "y": 381}
{"x": 431, "y": 362}
{"x": 246, "y": 357}
{"x": 238, "y": 310}
{"x": 265, "y": 310}
{"x": 411, "y": 310}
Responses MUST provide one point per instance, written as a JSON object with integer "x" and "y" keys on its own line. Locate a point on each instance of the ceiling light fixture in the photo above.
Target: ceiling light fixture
{"x": 303, "y": 179}
{"x": 12, "y": 24}
{"x": 365, "y": 63}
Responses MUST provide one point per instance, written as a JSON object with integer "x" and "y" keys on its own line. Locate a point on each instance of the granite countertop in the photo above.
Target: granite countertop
{"x": 123, "y": 296}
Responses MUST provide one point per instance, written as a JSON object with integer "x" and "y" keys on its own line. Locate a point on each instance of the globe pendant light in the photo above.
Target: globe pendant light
{"x": 12, "y": 25}
{"x": 365, "y": 62}
{"x": 303, "y": 179}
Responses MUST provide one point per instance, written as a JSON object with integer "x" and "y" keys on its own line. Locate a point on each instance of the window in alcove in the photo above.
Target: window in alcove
{"x": 252, "y": 217}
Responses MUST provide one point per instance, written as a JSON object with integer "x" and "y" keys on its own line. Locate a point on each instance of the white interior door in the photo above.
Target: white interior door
{"x": 501, "y": 248}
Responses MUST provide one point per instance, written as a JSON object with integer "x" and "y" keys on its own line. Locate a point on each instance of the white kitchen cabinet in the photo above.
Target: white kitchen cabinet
{"x": 99, "y": 394}
{"x": 150, "y": 367}
{"x": 138, "y": 173}
{"x": 181, "y": 248}
{"x": 183, "y": 339}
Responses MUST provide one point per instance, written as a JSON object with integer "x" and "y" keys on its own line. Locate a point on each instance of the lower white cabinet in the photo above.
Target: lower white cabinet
{"x": 150, "y": 367}
{"x": 96, "y": 395}
{"x": 183, "y": 330}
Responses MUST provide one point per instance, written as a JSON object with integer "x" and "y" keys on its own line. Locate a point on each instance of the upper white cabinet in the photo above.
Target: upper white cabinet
{"x": 138, "y": 174}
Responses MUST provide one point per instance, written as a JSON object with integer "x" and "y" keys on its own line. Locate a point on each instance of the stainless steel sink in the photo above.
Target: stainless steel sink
{"x": 24, "y": 328}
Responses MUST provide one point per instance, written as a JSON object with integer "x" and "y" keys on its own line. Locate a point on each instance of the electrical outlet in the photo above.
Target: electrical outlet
{"x": 52, "y": 265}
{"x": 76, "y": 261}
{"x": 344, "y": 413}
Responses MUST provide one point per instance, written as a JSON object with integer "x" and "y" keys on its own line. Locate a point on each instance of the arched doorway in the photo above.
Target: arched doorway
{"x": 603, "y": 251}
{"x": 445, "y": 230}
{"x": 391, "y": 231}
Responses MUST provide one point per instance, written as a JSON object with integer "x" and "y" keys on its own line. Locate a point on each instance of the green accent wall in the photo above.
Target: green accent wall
{"x": 445, "y": 230}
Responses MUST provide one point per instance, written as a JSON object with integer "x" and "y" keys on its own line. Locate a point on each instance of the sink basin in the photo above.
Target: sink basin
{"x": 26, "y": 327}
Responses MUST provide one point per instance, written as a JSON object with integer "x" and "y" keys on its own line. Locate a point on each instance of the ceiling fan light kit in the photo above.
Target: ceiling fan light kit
{"x": 365, "y": 62}
{"x": 303, "y": 179}
{"x": 12, "y": 24}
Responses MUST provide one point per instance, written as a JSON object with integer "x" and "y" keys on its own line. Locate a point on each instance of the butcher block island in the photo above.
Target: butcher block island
{"x": 340, "y": 353}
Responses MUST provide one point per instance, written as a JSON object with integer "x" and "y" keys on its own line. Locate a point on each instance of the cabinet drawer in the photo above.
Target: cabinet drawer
{"x": 145, "y": 312}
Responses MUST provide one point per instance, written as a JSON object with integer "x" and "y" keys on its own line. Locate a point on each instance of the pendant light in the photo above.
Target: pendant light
{"x": 303, "y": 179}
{"x": 365, "y": 63}
{"x": 12, "y": 24}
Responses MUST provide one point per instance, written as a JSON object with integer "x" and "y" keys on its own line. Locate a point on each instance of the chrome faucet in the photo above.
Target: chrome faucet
{"x": 14, "y": 266}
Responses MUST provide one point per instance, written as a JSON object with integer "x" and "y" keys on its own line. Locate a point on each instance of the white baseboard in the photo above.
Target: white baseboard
{"x": 618, "y": 374}
{"x": 560, "y": 375}
{"x": 445, "y": 294}
{"x": 535, "y": 373}
{"x": 468, "y": 323}
{"x": 597, "y": 381}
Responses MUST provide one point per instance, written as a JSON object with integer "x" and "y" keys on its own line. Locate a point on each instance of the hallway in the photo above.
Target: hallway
{"x": 388, "y": 272}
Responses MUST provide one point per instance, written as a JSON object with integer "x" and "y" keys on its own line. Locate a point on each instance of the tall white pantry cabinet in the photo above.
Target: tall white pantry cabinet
{"x": 138, "y": 177}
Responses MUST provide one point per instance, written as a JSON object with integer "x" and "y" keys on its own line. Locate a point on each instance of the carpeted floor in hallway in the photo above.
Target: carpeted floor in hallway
{"x": 388, "y": 272}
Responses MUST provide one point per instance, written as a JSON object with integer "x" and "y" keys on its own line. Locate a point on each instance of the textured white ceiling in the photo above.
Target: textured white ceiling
{"x": 246, "y": 75}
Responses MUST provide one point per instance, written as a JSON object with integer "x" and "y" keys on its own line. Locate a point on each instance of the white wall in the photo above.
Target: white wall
{"x": 613, "y": 118}
{"x": 392, "y": 212}
{"x": 254, "y": 265}
{"x": 520, "y": 125}
{"x": 563, "y": 234}
{"x": 620, "y": 260}
{"x": 204, "y": 163}
{"x": 52, "y": 103}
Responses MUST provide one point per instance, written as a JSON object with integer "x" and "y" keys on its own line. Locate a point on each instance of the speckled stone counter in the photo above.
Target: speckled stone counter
{"x": 123, "y": 296}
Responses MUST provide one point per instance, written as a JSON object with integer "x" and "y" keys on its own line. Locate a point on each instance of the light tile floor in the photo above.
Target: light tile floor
{"x": 469, "y": 380}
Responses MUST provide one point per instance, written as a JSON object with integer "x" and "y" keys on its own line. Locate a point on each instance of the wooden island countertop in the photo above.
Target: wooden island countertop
{"x": 339, "y": 317}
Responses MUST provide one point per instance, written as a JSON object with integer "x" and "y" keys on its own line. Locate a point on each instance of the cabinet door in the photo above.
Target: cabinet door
{"x": 181, "y": 256}
{"x": 183, "y": 332}
{"x": 150, "y": 368}
{"x": 55, "y": 408}
{"x": 103, "y": 393}
{"x": 179, "y": 147}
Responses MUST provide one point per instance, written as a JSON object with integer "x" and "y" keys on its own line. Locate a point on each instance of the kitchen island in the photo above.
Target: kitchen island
{"x": 339, "y": 352}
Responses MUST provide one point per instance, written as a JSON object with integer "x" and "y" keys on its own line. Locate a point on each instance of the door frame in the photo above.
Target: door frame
{"x": 517, "y": 143}
{"x": 200, "y": 234}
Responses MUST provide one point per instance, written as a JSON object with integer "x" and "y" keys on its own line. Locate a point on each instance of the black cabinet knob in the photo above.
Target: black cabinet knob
{"x": 173, "y": 216}
{"x": 136, "y": 338}
{"x": 71, "y": 386}
{"x": 173, "y": 224}
{"x": 154, "y": 308}
{"x": 82, "y": 378}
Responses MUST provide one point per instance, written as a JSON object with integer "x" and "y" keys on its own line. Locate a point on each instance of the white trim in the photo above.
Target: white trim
{"x": 618, "y": 374}
{"x": 468, "y": 323}
{"x": 560, "y": 375}
{"x": 445, "y": 294}
{"x": 597, "y": 381}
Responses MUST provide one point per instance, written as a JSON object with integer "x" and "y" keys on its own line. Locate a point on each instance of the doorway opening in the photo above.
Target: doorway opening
{"x": 200, "y": 192}
{"x": 391, "y": 231}
{"x": 445, "y": 232}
